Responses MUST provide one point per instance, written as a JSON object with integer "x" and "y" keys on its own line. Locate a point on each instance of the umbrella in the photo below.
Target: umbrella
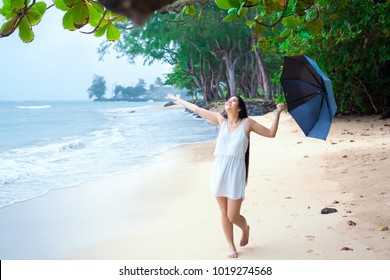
{"x": 309, "y": 95}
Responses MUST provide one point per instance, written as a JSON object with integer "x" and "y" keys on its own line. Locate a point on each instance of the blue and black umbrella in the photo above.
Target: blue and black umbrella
{"x": 309, "y": 95}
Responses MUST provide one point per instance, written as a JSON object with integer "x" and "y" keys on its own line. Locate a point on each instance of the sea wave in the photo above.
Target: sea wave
{"x": 109, "y": 139}
{"x": 34, "y": 107}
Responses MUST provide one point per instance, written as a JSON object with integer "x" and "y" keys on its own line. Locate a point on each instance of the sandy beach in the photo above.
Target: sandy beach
{"x": 164, "y": 211}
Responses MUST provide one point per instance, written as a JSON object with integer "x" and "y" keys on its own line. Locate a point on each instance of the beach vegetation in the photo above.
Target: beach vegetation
{"x": 98, "y": 88}
{"x": 352, "y": 48}
{"x": 207, "y": 59}
{"x": 138, "y": 93}
{"x": 220, "y": 47}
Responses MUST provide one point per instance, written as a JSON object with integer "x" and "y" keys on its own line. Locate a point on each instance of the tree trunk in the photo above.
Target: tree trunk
{"x": 230, "y": 76}
{"x": 263, "y": 74}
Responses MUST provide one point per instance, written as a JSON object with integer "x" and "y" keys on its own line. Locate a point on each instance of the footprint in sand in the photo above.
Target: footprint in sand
{"x": 310, "y": 237}
{"x": 313, "y": 252}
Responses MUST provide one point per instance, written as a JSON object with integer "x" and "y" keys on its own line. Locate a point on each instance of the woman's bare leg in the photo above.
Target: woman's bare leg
{"x": 227, "y": 226}
{"x": 234, "y": 216}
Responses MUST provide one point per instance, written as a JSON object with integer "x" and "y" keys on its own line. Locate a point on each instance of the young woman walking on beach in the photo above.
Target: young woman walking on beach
{"x": 230, "y": 170}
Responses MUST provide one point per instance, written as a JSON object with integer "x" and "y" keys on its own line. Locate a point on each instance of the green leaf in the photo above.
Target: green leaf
{"x": 121, "y": 19}
{"x": 59, "y": 4}
{"x": 241, "y": 6}
{"x": 34, "y": 17}
{"x": 101, "y": 31}
{"x": 285, "y": 33}
{"x": 94, "y": 14}
{"x": 200, "y": 16}
{"x": 242, "y": 12}
{"x": 11, "y": 8}
{"x": 250, "y": 23}
{"x": 271, "y": 7}
{"x": 190, "y": 10}
{"x": 113, "y": 33}
{"x": 6, "y": 9}
{"x": 235, "y": 3}
{"x": 291, "y": 22}
{"x": 67, "y": 21}
{"x": 39, "y": 7}
{"x": 80, "y": 14}
{"x": 97, "y": 6}
{"x": 230, "y": 17}
{"x": 25, "y": 32}
{"x": 314, "y": 27}
{"x": 228, "y": 4}
{"x": 8, "y": 27}
{"x": 223, "y": 4}
{"x": 259, "y": 28}
{"x": 17, "y": 4}
{"x": 72, "y": 3}
{"x": 304, "y": 4}
{"x": 281, "y": 99}
{"x": 232, "y": 11}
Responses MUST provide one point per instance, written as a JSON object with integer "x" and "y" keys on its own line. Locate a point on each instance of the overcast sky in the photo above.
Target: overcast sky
{"x": 59, "y": 64}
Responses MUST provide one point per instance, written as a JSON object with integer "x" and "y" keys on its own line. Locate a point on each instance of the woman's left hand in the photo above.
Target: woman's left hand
{"x": 281, "y": 106}
{"x": 173, "y": 97}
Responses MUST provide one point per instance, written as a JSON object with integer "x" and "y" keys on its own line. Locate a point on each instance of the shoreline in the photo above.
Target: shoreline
{"x": 164, "y": 210}
{"x": 19, "y": 177}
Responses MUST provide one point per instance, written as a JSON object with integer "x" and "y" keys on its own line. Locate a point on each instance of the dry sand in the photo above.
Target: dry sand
{"x": 165, "y": 212}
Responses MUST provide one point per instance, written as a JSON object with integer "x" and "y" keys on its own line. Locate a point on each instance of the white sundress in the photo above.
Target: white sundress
{"x": 228, "y": 175}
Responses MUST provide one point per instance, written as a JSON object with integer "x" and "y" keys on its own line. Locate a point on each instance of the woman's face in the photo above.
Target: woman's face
{"x": 232, "y": 104}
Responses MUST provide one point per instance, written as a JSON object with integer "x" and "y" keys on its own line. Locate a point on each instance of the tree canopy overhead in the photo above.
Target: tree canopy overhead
{"x": 92, "y": 17}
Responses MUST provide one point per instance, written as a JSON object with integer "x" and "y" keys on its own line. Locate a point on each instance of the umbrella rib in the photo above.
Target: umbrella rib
{"x": 299, "y": 99}
{"x": 316, "y": 86}
{"x": 319, "y": 112}
{"x": 308, "y": 69}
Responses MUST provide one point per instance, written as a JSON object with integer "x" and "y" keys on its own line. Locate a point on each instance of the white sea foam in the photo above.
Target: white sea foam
{"x": 78, "y": 142}
{"x": 34, "y": 107}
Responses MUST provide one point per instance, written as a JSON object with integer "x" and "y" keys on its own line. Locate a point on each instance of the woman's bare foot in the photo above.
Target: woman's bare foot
{"x": 245, "y": 237}
{"x": 232, "y": 253}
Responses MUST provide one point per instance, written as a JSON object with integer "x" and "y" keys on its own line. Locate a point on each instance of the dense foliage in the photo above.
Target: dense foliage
{"x": 353, "y": 48}
{"x": 222, "y": 46}
{"x": 210, "y": 57}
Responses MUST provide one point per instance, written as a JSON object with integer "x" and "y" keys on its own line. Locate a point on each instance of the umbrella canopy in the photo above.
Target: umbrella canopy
{"x": 309, "y": 95}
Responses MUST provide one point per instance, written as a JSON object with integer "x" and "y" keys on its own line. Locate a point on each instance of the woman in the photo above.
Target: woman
{"x": 230, "y": 170}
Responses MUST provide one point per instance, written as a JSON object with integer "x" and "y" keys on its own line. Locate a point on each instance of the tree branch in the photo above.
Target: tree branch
{"x": 177, "y": 5}
{"x": 364, "y": 88}
{"x": 278, "y": 20}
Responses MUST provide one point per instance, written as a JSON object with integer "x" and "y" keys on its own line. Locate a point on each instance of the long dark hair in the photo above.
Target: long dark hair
{"x": 242, "y": 114}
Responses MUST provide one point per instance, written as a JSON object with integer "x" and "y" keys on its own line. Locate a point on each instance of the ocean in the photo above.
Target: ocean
{"x": 47, "y": 145}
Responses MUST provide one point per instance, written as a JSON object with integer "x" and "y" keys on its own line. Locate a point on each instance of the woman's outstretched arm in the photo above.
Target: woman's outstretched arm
{"x": 264, "y": 131}
{"x": 213, "y": 117}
